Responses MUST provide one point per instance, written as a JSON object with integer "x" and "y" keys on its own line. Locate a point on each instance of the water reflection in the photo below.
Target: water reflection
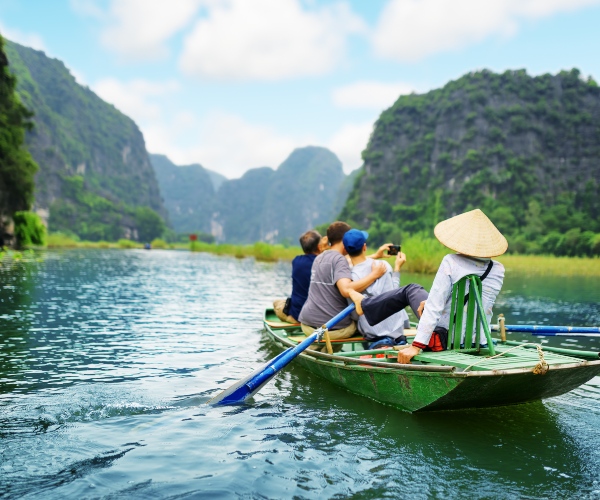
{"x": 107, "y": 359}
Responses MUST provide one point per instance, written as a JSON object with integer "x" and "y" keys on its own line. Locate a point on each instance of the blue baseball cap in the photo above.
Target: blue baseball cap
{"x": 354, "y": 240}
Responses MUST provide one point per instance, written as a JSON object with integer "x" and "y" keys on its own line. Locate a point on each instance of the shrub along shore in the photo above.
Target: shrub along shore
{"x": 423, "y": 255}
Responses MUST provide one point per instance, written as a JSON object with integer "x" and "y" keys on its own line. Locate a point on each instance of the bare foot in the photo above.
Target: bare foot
{"x": 357, "y": 299}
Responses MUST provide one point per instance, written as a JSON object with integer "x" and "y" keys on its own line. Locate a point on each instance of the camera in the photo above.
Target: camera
{"x": 394, "y": 249}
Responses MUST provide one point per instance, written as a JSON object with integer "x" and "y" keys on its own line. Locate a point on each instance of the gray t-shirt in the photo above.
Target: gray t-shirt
{"x": 324, "y": 299}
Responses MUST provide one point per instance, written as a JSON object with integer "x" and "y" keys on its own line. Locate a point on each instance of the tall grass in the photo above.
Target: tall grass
{"x": 61, "y": 240}
{"x": 423, "y": 255}
{"x": 549, "y": 265}
{"x": 260, "y": 251}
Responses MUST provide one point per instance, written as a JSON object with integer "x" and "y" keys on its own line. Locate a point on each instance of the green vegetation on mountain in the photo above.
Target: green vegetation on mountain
{"x": 302, "y": 195}
{"x": 80, "y": 140}
{"x": 526, "y": 150}
{"x": 276, "y": 206}
{"x": 188, "y": 193}
{"x": 94, "y": 218}
{"x": 17, "y": 167}
{"x": 29, "y": 229}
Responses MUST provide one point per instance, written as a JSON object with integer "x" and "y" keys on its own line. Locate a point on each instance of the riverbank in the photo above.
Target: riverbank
{"x": 424, "y": 255}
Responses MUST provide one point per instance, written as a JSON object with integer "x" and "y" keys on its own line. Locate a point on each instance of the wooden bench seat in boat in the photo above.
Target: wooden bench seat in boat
{"x": 273, "y": 322}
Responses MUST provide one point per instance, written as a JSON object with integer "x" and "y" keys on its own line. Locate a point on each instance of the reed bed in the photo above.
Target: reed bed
{"x": 549, "y": 265}
{"x": 423, "y": 255}
{"x": 260, "y": 250}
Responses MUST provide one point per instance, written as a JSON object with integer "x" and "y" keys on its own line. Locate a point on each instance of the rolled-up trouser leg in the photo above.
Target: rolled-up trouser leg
{"x": 382, "y": 306}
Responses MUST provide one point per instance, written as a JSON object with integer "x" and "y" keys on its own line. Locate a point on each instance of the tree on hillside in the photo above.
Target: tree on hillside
{"x": 17, "y": 168}
{"x": 149, "y": 224}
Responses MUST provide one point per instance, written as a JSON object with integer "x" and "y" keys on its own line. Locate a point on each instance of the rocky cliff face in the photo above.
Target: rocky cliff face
{"x": 306, "y": 190}
{"x": 188, "y": 193}
{"x": 496, "y": 141}
{"x": 77, "y": 134}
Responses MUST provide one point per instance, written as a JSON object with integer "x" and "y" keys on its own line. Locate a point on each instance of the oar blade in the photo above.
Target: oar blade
{"x": 250, "y": 385}
{"x": 240, "y": 392}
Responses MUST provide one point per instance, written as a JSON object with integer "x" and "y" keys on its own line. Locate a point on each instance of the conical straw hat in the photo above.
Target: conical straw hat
{"x": 471, "y": 233}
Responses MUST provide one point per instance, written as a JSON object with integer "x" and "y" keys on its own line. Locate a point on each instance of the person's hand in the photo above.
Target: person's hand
{"x": 421, "y": 308}
{"x": 405, "y": 355}
{"x": 357, "y": 298}
{"x": 323, "y": 244}
{"x": 379, "y": 253}
{"x": 378, "y": 269}
{"x": 400, "y": 261}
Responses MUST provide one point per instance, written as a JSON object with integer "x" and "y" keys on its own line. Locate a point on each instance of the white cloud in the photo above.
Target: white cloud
{"x": 410, "y": 30}
{"x": 349, "y": 142}
{"x": 268, "y": 40}
{"x": 222, "y": 142}
{"x": 231, "y": 145}
{"x": 32, "y": 40}
{"x": 79, "y": 78}
{"x": 89, "y": 8}
{"x": 136, "y": 98}
{"x": 370, "y": 94}
{"x": 138, "y": 29}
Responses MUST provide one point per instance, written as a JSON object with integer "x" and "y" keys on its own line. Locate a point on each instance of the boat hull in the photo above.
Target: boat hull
{"x": 416, "y": 391}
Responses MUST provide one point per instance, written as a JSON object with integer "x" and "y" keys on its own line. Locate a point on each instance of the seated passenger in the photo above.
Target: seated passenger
{"x": 312, "y": 245}
{"x": 330, "y": 283}
{"x": 476, "y": 239}
{"x": 390, "y": 331}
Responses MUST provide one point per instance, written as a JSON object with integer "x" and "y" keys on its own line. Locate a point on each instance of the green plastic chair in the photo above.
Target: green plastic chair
{"x": 475, "y": 318}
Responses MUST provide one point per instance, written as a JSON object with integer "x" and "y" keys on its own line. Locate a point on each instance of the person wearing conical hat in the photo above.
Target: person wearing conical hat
{"x": 476, "y": 239}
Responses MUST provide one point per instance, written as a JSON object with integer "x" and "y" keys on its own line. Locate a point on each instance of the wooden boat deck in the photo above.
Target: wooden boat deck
{"x": 517, "y": 358}
{"x": 447, "y": 380}
{"x": 508, "y": 358}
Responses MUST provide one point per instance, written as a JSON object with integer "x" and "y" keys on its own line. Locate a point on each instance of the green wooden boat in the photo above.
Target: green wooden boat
{"x": 506, "y": 373}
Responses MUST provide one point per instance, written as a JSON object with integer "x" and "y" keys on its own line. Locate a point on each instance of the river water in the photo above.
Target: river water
{"x": 107, "y": 358}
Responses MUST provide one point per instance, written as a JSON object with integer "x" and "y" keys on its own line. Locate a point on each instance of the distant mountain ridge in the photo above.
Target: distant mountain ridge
{"x": 306, "y": 190}
{"x": 188, "y": 193}
{"x": 78, "y": 135}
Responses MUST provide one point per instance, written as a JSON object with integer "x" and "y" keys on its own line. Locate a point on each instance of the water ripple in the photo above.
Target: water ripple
{"x": 107, "y": 359}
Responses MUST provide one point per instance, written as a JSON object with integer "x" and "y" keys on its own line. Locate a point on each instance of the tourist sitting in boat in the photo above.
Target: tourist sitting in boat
{"x": 289, "y": 309}
{"x": 390, "y": 331}
{"x": 330, "y": 284}
{"x": 476, "y": 240}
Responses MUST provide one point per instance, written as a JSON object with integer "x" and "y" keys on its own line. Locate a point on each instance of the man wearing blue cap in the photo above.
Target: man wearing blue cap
{"x": 330, "y": 285}
{"x": 390, "y": 331}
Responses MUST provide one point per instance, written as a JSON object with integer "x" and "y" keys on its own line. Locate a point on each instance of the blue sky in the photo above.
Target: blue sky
{"x": 238, "y": 84}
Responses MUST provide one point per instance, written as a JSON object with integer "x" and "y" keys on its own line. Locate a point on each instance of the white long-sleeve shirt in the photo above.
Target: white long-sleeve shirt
{"x": 452, "y": 269}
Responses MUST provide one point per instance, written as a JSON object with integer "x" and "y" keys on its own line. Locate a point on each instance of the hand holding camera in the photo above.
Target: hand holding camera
{"x": 394, "y": 249}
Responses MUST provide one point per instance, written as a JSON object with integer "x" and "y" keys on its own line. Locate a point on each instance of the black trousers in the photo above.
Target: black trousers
{"x": 382, "y": 306}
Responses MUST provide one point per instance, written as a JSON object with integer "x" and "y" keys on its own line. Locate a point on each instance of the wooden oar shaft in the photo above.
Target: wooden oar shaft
{"x": 583, "y": 331}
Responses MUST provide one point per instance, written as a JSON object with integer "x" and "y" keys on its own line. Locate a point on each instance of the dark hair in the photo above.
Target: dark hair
{"x": 309, "y": 241}
{"x": 336, "y": 232}
{"x": 354, "y": 254}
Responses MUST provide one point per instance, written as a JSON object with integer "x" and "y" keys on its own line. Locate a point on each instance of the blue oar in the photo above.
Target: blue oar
{"x": 553, "y": 331}
{"x": 247, "y": 387}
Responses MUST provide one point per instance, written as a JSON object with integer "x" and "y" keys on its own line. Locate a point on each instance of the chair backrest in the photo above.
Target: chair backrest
{"x": 472, "y": 302}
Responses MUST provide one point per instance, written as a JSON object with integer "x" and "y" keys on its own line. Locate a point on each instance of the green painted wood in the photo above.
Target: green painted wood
{"x": 472, "y": 316}
{"x": 483, "y": 322}
{"x": 474, "y": 319}
{"x": 594, "y": 355}
{"x": 426, "y": 390}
